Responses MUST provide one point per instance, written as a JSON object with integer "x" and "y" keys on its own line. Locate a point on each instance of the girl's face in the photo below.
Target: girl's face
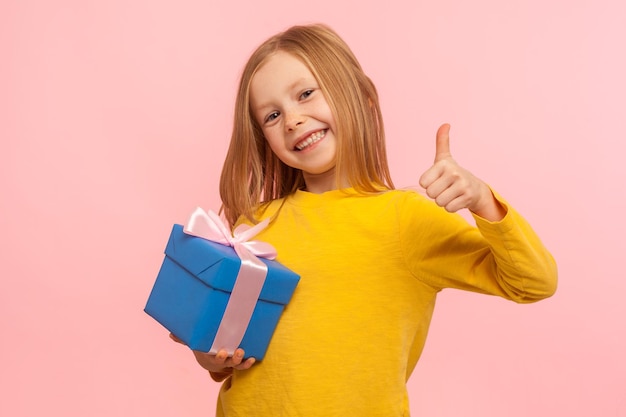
{"x": 296, "y": 120}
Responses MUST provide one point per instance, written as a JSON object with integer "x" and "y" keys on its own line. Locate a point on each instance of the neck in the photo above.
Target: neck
{"x": 320, "y": 183}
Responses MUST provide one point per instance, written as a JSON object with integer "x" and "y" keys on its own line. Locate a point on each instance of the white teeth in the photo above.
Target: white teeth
{"x": 315, "y": 137}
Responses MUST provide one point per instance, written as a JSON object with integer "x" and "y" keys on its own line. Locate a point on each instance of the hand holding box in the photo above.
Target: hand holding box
{"x": 215, "y": 294}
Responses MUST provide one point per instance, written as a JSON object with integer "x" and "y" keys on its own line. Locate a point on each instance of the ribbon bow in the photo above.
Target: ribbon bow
{"x": 250, "y": 278}
{"x": 210, "y": 226}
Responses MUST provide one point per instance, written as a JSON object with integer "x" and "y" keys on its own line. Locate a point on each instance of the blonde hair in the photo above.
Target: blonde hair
{"x": 252, "y": 174}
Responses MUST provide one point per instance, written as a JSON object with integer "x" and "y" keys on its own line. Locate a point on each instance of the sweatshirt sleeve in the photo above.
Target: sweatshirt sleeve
{"x": 504, "y": 258}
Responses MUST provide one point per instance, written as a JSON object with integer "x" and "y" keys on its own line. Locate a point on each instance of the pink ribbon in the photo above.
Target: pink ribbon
{"x": 250, "y": 278}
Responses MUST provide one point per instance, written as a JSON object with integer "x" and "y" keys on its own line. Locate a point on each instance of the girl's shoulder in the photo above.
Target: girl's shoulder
{"x": 267, "y": 209}
{"x": 413, "y": 206}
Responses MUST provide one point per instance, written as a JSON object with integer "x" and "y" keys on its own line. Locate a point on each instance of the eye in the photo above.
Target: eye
{"x": 306, "y": 94}
{"x": 272, "y": 116}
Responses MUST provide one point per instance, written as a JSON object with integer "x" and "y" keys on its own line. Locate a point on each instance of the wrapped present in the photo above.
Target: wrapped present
{"x": 214, "y": 292}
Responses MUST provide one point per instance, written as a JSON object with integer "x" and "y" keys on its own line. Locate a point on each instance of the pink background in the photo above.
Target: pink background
{"x": 114, "y": 121}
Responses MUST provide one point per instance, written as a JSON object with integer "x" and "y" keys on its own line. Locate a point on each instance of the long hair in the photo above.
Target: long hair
{"x": 252, "y": 174}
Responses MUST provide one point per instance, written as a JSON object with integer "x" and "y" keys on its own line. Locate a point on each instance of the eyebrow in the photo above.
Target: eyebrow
{"x": 295, "y": 83}
{"x": 289, "y": 87}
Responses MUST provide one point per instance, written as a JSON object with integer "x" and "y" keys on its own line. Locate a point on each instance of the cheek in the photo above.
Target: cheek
{"x": 275, "y": 142}
{"x": 269, "y": 138}
{"x": 273, "y": 148}
{"x": 330, "y": 119}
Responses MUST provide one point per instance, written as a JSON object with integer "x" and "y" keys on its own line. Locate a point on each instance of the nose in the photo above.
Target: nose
{"x": 293, "y": 120}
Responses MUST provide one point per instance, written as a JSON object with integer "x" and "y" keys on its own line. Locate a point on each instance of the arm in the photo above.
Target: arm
{"x": 503, "y": 257}
{"x": 524, "y": 267}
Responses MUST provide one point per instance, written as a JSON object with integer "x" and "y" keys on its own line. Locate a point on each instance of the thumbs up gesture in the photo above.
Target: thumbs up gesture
{"x": 455, "y": 188}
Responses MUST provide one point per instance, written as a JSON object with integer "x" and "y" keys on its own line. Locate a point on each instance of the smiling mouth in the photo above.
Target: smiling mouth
{"x": 315, "y": 137}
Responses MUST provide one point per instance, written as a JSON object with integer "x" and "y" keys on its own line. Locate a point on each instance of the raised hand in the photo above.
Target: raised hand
{"x": 455, "y": 188}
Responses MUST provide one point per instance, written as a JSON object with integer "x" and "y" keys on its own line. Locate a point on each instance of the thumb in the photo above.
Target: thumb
{"x": 442, "y": 149}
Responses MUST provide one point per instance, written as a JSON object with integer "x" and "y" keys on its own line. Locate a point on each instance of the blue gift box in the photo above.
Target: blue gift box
{"x": 193, "y": 288}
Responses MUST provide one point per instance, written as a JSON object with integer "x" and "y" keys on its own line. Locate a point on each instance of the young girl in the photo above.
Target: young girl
{"x": 308, "y": 151}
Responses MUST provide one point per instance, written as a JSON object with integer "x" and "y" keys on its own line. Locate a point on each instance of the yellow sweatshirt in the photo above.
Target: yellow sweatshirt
{"x": 371, "y": 267}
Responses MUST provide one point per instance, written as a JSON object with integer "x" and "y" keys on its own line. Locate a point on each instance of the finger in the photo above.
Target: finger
{"x": 247, "y": 364}
{"x": 442, "y": 149}
{"x": 176, "y": 339}
{"x": 446, "y": 169}
{"x": 221, "y": 357}
{"x": 452, "y": 199}
{"x": 237, "y": 357}
{"x": 436, "y": 181}
{"x": 431, "y": 175}
{"x": 456, "y": 205}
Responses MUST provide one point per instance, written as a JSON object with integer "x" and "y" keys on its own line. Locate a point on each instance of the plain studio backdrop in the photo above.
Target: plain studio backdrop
{"x": 115, "y": 117}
